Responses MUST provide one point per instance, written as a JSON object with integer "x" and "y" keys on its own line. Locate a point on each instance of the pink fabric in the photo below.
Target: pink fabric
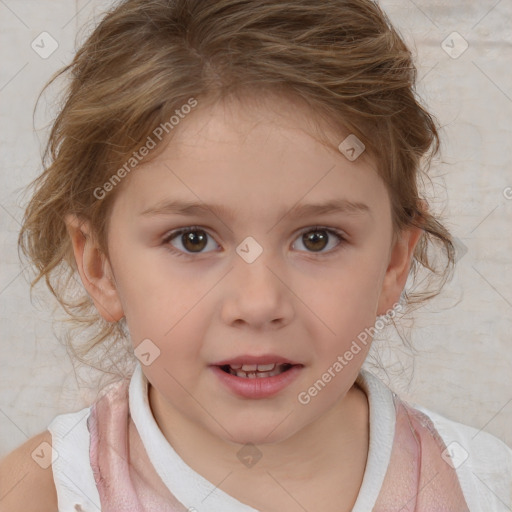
{"x": 122, "y": 471}
{"x": 417, "y": 479}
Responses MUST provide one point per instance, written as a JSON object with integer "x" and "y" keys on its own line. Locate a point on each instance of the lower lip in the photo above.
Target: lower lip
{"x": 258, "y": 387}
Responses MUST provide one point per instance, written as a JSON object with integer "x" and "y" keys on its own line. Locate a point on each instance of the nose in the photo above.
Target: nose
{"x": 256, "y": 294}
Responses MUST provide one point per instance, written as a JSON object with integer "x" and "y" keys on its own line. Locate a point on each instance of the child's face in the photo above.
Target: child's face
{"x": 222, "y": 303}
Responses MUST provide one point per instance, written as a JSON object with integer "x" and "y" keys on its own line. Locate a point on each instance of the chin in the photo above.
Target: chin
{"x": 257, "y": 432}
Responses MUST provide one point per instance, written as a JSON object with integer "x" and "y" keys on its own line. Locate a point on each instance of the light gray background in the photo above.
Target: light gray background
{"x": 463, "y": 368}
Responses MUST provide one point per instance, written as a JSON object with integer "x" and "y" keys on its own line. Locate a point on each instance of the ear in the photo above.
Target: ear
{"x": 94, "y": 269}
{"x": 398, "y": 268}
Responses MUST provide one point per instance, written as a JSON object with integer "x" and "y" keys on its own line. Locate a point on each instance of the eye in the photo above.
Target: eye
{"x": 315, "y": 239}
{"x": 194, "y": 240}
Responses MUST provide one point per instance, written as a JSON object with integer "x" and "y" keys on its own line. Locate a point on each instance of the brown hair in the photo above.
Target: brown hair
{"x": 147, "y": 58}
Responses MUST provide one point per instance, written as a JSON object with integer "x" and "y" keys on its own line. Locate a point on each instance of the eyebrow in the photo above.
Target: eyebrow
{"x": 189, "y": 208}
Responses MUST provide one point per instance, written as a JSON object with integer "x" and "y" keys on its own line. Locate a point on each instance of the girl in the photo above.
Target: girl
{"x": 235, "y": 182}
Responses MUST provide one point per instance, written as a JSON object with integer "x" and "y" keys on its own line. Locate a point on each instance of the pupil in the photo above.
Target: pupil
{"x": 191, "y": 239}
{"x": 314, "y": 241}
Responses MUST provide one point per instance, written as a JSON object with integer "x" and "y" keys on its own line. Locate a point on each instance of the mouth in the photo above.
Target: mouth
{"x": 256, "y": 371}
{"x": 256, "y": 377}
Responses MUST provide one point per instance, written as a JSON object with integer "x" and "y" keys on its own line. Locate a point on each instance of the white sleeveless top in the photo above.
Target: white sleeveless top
{"x": 485, "y": 476}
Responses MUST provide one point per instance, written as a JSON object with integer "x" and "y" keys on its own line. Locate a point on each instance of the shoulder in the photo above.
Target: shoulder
{"x": 476, "y": 442}
{"x": 72, "y": 471}
{"x": 26, "y": 473}
{"x": 483, "y": 462}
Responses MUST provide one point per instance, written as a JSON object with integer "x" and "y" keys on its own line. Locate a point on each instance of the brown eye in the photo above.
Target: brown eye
{"x": 317, "y": 239}
{"x": 192, "y": 240}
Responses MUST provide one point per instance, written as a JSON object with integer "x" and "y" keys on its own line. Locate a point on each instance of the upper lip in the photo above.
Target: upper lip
{"x": 248, "y": 359}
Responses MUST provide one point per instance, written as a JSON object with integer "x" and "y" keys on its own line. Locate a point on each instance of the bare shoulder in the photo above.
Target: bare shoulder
{"x": 26, "y": 477}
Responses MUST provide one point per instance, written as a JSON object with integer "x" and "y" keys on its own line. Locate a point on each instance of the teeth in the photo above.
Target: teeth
{"x": 255, "y": 367}
{"x": 260, "y": 371}
{"x": 266, "y": 367}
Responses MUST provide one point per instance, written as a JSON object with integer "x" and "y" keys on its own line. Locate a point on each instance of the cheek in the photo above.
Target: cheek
{"x": 350, "y": 295}
{"x": 156, "y": 298}
{"x": 143, "y": 282}
{"x": 345, "y": 306}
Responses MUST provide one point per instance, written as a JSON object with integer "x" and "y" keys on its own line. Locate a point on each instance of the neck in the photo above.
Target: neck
{"x": 336, "y": 441}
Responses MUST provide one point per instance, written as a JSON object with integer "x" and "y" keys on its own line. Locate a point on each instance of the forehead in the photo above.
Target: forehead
{"x": 254, "y": 158}
{"x": 240, "y": 122}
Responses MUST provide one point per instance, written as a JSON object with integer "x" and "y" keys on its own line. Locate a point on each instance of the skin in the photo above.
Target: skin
{"x": 205, "y": 307}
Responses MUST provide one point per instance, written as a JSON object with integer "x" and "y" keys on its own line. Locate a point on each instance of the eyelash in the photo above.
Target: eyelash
{"x": 338, "y": 234}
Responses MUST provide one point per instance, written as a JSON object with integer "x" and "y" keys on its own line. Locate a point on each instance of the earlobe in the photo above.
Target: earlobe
{"x": 94, "y": 269}
{"x": 398, "y": 268}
